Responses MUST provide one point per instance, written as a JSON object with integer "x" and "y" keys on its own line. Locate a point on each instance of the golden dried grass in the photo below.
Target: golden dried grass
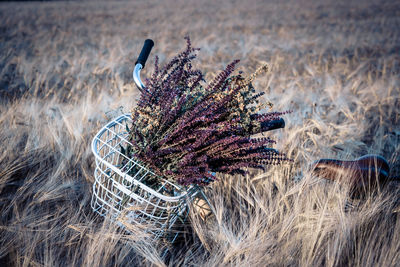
{"x": 336, "y": 65}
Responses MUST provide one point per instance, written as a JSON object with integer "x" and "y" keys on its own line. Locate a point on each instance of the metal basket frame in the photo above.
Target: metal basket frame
{"x": 117, "y": 193}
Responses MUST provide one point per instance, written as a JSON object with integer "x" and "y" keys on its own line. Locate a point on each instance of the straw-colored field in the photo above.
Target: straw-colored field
{"x": 65, "y": 66}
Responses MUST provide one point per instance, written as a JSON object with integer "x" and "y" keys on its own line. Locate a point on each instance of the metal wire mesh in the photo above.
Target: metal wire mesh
{"x": 121, "y": 186}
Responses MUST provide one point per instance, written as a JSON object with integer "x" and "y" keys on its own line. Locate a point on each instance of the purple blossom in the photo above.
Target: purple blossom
{"x": 185, "y": 131}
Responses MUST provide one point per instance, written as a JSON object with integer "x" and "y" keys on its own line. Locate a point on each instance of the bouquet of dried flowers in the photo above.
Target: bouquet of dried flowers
{"x": 185, "y": 130}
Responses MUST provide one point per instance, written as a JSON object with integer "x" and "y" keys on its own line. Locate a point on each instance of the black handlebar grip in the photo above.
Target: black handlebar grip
{"x": 272, "y": 125}
{"x": 144, "y": 54}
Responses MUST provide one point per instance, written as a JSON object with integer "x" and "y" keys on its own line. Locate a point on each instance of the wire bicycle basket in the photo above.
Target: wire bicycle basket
{"x": 121, "y": 187}
{"x": 116, "y": 190}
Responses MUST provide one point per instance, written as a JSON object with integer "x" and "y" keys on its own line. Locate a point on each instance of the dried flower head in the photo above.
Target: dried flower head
{"x": 185, "y": 130}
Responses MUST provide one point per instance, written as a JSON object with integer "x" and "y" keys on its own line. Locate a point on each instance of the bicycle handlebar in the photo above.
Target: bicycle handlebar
{"x": 141, "y": 61}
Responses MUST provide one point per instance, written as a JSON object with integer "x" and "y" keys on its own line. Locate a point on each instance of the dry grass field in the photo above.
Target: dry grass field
{"x": 65, "y": 70}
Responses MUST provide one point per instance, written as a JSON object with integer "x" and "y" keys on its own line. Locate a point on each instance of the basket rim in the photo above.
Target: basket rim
{"x": 97, "y": 138}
